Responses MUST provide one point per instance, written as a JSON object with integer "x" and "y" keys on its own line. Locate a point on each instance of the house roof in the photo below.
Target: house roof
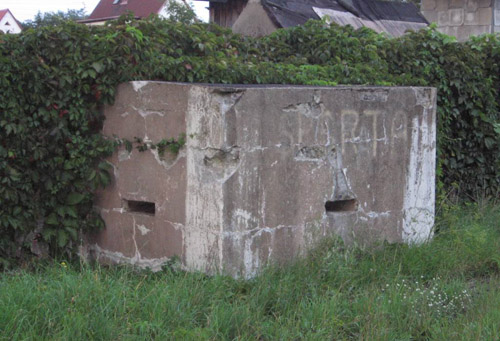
{"x": 393, "y": 18}
{"x": 3, "y": 13}
{"x": 108, "y": 9}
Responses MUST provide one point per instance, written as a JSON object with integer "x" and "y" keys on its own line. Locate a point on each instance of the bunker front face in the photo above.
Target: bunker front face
{"x": 266, "y": 173}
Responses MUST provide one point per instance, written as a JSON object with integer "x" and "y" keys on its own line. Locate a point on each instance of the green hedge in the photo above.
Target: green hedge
{"x": 54, "y": 80}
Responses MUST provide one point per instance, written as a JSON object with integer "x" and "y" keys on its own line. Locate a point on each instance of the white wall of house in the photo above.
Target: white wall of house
{"x": 9, "y": 25}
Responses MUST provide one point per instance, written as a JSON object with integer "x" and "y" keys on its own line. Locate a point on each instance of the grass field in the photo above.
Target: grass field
{"x": 447, "y": 289}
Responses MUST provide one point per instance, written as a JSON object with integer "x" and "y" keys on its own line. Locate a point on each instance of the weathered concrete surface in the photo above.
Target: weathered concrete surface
{"x": 462, "y": 18}
{"x": 268, "y": 172}
{"x": 152, "y": 112}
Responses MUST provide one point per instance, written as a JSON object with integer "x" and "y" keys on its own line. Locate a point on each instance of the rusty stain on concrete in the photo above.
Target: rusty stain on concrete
{"x": 267, "y": 173}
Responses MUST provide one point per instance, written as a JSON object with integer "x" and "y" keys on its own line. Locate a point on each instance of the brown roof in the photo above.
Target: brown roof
{"x": 106, "y": 9}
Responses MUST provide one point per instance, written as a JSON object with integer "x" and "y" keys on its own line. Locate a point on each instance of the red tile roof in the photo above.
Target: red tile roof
{"x": 105, "y": 9}
{"x": 3, "y": 12}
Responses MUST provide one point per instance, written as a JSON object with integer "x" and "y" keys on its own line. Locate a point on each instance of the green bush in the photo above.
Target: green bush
{"x": 466, "y": 77}
{"x": 53, "y": 81}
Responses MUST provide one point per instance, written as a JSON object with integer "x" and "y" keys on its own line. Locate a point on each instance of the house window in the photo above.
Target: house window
{"x": 7, "y": 24}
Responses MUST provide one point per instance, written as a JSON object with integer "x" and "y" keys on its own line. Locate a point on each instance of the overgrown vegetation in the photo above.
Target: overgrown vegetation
{"x": 447, "y": 289}
{"x": 54, "y": 79}
{"x": 54, "y": 18}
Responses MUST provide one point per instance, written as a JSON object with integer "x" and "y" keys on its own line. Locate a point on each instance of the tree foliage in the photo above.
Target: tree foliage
{"x": 181, "y": 11}
{"x": 55, "y": 18}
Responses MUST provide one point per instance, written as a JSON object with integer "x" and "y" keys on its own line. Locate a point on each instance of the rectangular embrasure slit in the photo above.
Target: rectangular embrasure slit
{"x": 144, "y": 207}
{"x": 341, "y": 205}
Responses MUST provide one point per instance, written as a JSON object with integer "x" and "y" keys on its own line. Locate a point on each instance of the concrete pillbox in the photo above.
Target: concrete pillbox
{"x": 267, "y": 172}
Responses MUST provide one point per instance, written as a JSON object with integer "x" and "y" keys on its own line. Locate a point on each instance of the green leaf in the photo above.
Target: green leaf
{"x": 71, "y": 211}
{"x": 128, "y": 146}
{"x": 91, "y": 175}
{"x": 489, "y": 142}
{"x": 52, "y": 219}
{"x": 106, "y": 166}
{"x": 74, "y": 198}
{"x": 98, "y": 66}
{"x": 72, "y": 232}
{"x": 48, "y": 233}
{"x": 62, "y": 238}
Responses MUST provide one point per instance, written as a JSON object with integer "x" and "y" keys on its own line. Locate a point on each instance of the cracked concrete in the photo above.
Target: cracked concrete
{"x": 267, "y": 173}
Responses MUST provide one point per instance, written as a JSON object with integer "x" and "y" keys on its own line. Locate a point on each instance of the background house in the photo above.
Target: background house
{"x": 9, "y": 24}
{"x": 112, "y": 9}
{"x": 463, "y": 18}
{"x": 261, "y": 17}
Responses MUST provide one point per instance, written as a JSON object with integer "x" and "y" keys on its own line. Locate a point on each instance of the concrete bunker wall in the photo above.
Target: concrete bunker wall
{"x": 267, "y": 172}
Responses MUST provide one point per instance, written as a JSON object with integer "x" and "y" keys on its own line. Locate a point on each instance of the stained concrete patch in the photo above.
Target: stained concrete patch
{"x": 267, "y": 172}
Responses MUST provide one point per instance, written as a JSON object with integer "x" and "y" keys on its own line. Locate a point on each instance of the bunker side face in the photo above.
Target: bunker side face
{"x": 266, "y": 174}
{"x": 144, "y": 207}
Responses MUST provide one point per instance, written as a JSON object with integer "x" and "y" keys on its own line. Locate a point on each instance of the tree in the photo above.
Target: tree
{"x": 55, "y": 18}
{"x": 180, "y": 10}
